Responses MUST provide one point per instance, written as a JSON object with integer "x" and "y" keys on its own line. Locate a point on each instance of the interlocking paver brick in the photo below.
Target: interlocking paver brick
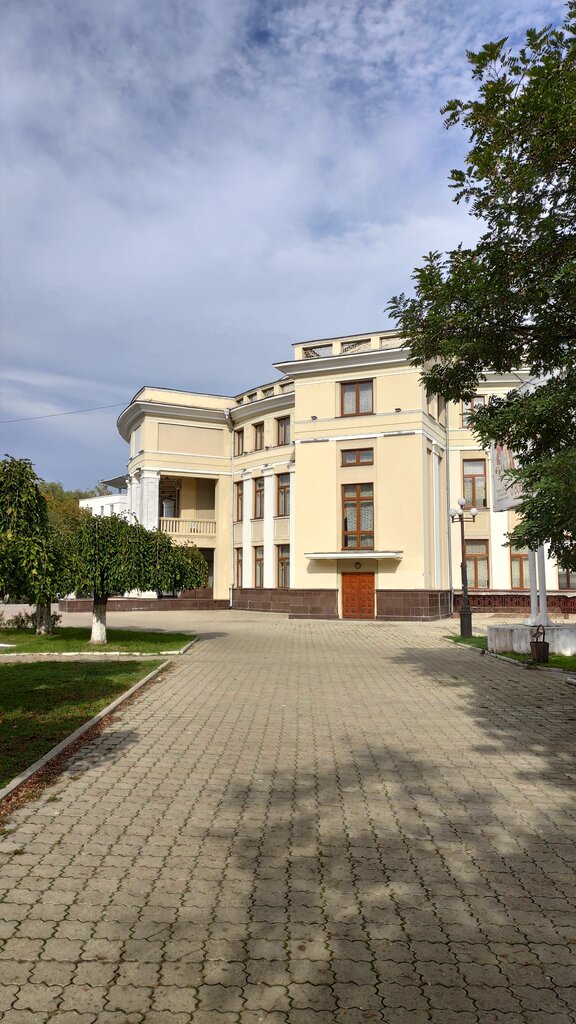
{"x": 220, "y": 997}
{"x": 38, "y": 997}
{"x": 262, "y": 1017}
{"x": 7, "y": 996}
{"x": 24, "y": 1017}
{"x": 458, "y": 1017}
{"x": 308, "y": 1016}
{"x": 362, "y": 997}
{"x": 407, "y": 997}
{"x": 272, "y": 972}
{"x": 305, "y": 823}
{"x": 83, "y": 998}
{"x": 265, "y": 998}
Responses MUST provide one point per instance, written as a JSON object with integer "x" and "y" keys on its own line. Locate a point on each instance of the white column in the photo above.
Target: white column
{"x": 134, "y": 496}
{"x": 533, "y": 620}
{"x": 150, "y": 498}
{"x": 543, "y": 611}
{"x": 269, "y": 549}
{"x": 436, "y": 455}
{"x": 248, "y": 553}
{"x": 292, "y": 470}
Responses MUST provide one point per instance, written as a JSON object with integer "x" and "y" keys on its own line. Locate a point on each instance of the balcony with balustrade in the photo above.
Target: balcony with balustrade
{"x": 327, "y": 348}
{"x": 198, "y": 530}
{"x": 188, "y": 509}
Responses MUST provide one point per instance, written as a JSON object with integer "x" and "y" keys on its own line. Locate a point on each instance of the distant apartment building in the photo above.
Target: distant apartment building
{"x": 113, "y": 503}
{"x": 326, "y": 492}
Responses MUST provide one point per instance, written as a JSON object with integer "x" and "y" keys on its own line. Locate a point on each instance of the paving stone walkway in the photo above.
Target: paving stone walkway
{"x": 305, "y": 823}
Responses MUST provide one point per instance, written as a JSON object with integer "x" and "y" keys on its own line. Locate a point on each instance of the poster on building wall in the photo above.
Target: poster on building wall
{"x": 506, "y": 493}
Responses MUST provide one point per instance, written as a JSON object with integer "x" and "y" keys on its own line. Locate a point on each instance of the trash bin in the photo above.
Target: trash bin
{"x": 538, "y": 646}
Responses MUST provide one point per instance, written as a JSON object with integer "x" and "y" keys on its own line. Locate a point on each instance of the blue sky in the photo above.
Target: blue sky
{"x": 189, "y": 186}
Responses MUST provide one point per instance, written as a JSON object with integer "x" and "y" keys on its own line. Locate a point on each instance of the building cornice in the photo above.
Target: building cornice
{"x": 343, "y": 363}
{"x": 387, "y": 333}
{"x": 261, "y": 407}
{"x": 507, "y": 379}
{"x": 137, "y": 410}
{"x": 358, "y": 554}
{"x": 176, "y": 471}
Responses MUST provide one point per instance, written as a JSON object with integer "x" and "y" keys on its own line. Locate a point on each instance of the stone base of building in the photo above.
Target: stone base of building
{"x": 514, "y": 603}
{"x": 190, "y": 600}
{"x": 297, "y": 604}
{"x": 412, "y": 605}
{"x": 391, "y": 605}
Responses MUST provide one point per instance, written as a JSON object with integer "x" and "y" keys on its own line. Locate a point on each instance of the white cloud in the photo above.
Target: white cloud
{"x": 188, "y": 188}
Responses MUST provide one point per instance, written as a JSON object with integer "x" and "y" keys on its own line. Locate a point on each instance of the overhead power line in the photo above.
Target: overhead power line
{"x": 72, "y": 412}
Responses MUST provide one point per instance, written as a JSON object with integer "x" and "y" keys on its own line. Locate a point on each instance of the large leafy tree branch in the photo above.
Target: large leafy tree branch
{"x": 509, "y": 304}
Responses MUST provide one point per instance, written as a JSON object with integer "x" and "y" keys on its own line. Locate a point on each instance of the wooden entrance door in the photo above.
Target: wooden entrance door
{"x": 358, "y": 595}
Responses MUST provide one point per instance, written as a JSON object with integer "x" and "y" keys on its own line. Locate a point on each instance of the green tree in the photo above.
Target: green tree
{"x": 32, "y": 565}
{"x": 114, "y": 556}
{"x": 509, "y": 303}
{"x": 53, "y": 490}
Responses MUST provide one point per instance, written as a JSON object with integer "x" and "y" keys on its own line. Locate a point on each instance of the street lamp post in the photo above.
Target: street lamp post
{"x": 457, "y": 515}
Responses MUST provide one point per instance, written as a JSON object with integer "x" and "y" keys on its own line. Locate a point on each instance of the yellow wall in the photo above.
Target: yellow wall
{"x": 188, "y": 435}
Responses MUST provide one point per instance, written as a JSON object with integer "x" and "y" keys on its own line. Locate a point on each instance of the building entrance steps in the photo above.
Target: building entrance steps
{"x": 304, "y": 822}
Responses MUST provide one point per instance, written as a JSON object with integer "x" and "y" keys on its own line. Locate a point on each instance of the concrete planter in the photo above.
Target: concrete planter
{"x": 502, "y": 639}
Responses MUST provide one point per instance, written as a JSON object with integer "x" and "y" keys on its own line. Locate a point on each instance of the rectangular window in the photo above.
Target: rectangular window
{"x": 441, "y": 411}
{"x": 566, "y": 579}
{"x": 467, "y": 407}
{"x": 356, "y": 398}
{"x": 239, "y": 442}
{"x": 258, "y": 436}
{"x": 283, "y": 430}
{"x": 475, "y": 483}
{"x": 239, "y": 502}
{"x": 283, "y": 565}
{"x": 358, "y": 516}
{"x": 238, "y": 569}
{"x": 477, "y": 564}
{"x": 283, "y": 503}
{"x": 358, "y": 457}
{"x": 259, "y": 567}
{"x": 135, "y": 441}
{"x": 259, "y": 497}
{"x": 519, "y": 569}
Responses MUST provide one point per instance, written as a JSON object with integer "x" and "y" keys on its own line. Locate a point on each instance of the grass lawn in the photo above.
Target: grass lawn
{"x": 565, "y": 661}
{"x": 75, "y": 638}
{"x": 42, "y": 703}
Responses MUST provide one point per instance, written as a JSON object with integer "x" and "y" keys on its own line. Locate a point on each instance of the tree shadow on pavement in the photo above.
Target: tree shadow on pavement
{"x": 386, "y": 886}
{"x": 520, "y": 712}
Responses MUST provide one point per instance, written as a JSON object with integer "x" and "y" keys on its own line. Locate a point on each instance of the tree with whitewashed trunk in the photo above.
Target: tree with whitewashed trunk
{"x": 114, "y": 556}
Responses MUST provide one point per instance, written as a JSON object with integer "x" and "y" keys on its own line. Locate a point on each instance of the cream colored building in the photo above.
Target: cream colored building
{"x": 326, "y": 492}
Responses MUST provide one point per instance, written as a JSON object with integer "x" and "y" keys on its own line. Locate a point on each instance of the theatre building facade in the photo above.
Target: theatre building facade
{"x": 326, "y": 493}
